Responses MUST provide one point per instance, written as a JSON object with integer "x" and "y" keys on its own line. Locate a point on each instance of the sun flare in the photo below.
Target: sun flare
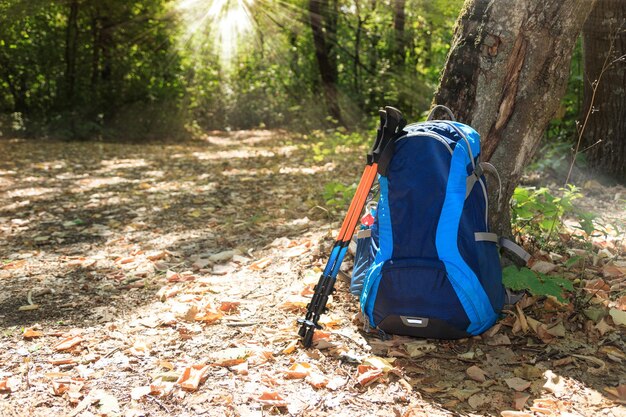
{"x": 228, "y": 21}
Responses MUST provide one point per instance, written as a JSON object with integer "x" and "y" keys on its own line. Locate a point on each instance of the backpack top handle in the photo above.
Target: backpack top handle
{"x": 440, "y": 107}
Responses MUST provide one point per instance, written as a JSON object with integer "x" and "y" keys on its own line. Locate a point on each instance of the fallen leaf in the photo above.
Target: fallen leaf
{"x": 378, "y": 363}
{"x": 492, "y": 331}
{"x": 241, "y": 369}
{"x": 599, "y": 370}
{"x": 60, "y": 387}
{"x": 618, "y": 316}
{"x": 528, "y": 372}
{"x": 291, "y": 347}
{"x": 140, "y": 348}
{"x": 108, "y": 403}
{"x": 543, "y": 267}
{"x": 329, "y": 322}
{"x": 554, "y": 383}
{"x": 229, "y": 306}
{"x": 595, "y": 313}
{"x": 161, "y": 388}
{"x": 192, "y": 376}
{"x": 317, "y": 380}
{"x": 260, "y": 356}
{"x": 260, "y": 264}
{"x": 273, "y": 399}
{"x": 30, "y": 333}
{"x": 53, "y": 375}
{"x": 230, "y": 357}
{"x": 603, "y": 327}
{"x": 4, "y": 385}
{"x": 556, "y": 330}
{"x": 478, "y": 400}
{"x": 321, "y": 335}
{"x": 509, "y": 413}
{"x": 463, "y": 394}
{"x": 14, "y": 265}
{"x": 67, "y": 343}
{"x": 308, "y": 290}
{"x": 209, "y": 317}
{"x": 366, "y": 375}
{"x": 62, "y": 361}
{"x": 157, "y": 256}
{"x": 613, "y": 271}
{"x": 613, "y": 353}
{"x": 336, "y": 383}
{"x": 547, "y": 407}
{"x": 222, "y": 256}
{"x": 419, "y": 348}
{"x": 499, "y": 340}
{"x": 475, "y": 373}
{"x": 618, "y": 393}
{"x": 298, "y": 370}
{"x": 564, "y": 361}
{"x": 139, "y": 392}
{"x": 522, "y": 318}
{"x": 518, "y": 384}
{"x": 519, "y": 400}
{"x": 295, "y": 303}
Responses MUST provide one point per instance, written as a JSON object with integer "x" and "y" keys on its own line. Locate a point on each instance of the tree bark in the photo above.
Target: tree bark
{"x": 71, "y": 45}
{"x": 327, "y": 65}
{"x": 605, "y": 25}
{"x": 398, "y": 28}
{"x": 505, "y": 75}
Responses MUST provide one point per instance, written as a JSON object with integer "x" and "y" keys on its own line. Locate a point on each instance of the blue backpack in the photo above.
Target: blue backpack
{"x": 431, "y": 268}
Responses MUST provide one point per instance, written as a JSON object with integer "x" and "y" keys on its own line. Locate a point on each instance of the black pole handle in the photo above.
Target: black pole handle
{"x": 379, "y": 135}
{"x": 393, "y": 120}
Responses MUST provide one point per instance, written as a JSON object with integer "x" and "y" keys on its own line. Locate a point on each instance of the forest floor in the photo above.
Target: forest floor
{"x": 164, "y": 279}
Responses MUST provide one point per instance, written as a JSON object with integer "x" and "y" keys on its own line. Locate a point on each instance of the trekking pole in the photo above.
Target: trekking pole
{"x": 391, "y": 123}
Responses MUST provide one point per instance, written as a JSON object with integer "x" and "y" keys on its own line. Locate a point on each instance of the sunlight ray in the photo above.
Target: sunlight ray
{"x": 229, "y": 21}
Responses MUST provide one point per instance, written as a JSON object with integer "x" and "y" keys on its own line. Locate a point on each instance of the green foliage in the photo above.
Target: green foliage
{"x": 536, "y": 283}
{"x": 333, "y": 141}
{"x": 562, "y": 128}
{"x": 74, "y": 67}
{"x": 539, "y": 214}
{"x": 337, "y": 195}
{"x": 142, "y": 68}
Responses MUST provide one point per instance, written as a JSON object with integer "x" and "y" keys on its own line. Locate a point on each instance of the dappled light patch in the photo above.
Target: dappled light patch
{"x": 120, "y": 164}
{"x": 91, "y": 183}
{"x": 31, "y": 192}
{"x": 234, "y": 154}
{"x": 178, "y": 288}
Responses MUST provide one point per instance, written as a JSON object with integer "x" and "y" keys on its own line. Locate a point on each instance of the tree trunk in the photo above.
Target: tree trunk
{"x": 327, "y": 65}
{"x": 505, "y": 75}
{"x": 95, "y": 54}
{"x": 71, "y": 45}
{"x": 357, "y": 46}
{"x": 398, "y": 28}
{"x": 607, "y": 122}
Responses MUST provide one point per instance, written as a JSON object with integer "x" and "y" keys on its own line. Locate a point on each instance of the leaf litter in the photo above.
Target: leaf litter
{"x": 164, "y": 294}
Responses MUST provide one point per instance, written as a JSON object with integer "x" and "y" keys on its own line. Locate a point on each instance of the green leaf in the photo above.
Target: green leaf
{"x": 535, "y": 283}
{"x": 572, "y": 261}
{"x": 517, "y": 279}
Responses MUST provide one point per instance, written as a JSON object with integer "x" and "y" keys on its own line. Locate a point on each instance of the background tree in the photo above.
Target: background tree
{"x": 604, "y": 42}
{"x": 323, "y": 20}
{"x": 505, "y": 75}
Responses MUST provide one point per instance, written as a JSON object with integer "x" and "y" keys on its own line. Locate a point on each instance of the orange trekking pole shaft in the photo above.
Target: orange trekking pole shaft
{"x": 391, "y": 123}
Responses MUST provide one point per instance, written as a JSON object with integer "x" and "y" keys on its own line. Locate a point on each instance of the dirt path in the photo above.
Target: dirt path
{"x": 127, "y": 268}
